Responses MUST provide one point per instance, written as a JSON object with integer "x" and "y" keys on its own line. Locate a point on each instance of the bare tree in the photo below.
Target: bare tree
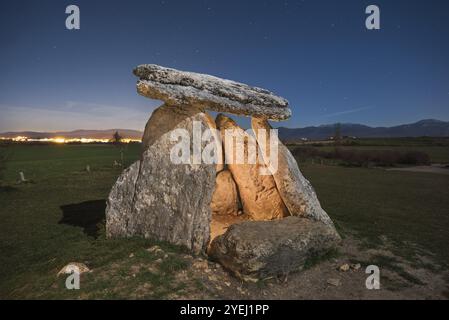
{"x": 337, "y": 134}
{"x": 117, "y": 141}
{"x": 116, "y": 138}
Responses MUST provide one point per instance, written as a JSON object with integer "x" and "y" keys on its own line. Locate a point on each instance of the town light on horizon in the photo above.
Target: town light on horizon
{"x": 62, "y": 140}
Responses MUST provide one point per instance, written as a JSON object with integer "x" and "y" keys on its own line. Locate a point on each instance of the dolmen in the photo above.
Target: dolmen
{"x": 208, "y": 185}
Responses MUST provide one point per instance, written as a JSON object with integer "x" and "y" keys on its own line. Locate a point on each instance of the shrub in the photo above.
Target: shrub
{"x": 365, "y": 158}
{"x": 2, "y": 162}
{"x": 415, "y": 158}
{"x": 303, "y": 153}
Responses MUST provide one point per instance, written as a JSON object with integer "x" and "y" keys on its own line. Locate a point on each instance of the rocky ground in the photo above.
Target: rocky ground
{"x": 340, "y": 275}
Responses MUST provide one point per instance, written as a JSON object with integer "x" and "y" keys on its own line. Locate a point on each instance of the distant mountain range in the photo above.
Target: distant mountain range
{"x": 93, "y": 134}
{"x": 430, "y": 128}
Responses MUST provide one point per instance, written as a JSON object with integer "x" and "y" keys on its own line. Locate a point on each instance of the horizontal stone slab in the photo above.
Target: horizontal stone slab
{"x": 176, "y": 87}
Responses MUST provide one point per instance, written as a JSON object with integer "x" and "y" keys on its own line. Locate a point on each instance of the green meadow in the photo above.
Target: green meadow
{"x": 58, "y": 217}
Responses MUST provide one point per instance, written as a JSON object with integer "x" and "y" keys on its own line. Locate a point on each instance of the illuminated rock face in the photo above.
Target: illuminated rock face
{"x": 225, "y": 200}
{"x": 218, "y": 143}
{"x": 258, "y": 193}
{"x": 296, "y": 191}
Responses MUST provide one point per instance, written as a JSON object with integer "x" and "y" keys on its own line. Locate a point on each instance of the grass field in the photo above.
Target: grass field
{"x": 406, "y": 207}
{"x": 436, "y": 148}
{"x": 57, "y": 219}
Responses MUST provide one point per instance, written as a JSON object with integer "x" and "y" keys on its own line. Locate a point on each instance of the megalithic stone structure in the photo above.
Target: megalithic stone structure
{"x": 156, "y": 198}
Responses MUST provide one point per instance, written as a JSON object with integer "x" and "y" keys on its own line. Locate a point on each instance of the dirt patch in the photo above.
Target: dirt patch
{"x": 435, "y": 168}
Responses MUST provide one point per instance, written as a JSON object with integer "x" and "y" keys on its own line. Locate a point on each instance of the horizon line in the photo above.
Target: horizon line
{"x": 277, "y": 127}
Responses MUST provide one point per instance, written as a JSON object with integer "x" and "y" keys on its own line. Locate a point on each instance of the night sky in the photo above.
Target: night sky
{"x": 317, "y": 54}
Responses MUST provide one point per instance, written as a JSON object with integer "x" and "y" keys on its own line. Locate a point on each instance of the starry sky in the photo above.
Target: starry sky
{"x": 317, "y": 54}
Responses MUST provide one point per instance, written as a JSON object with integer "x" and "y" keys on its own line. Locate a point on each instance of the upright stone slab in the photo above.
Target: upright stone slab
{"x": 294, "y": 189}
{"x": 258, "y": 193}
{"x": 225, "y": 200}
{"x": 158, "y": 199}
{"x": 120, "y": 203}
{"x": 217, "y": 143}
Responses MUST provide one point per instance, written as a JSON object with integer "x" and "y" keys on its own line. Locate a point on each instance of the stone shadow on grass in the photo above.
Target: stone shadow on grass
{"x": 7, "y": 189}
{"x": 87, "y": 215}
